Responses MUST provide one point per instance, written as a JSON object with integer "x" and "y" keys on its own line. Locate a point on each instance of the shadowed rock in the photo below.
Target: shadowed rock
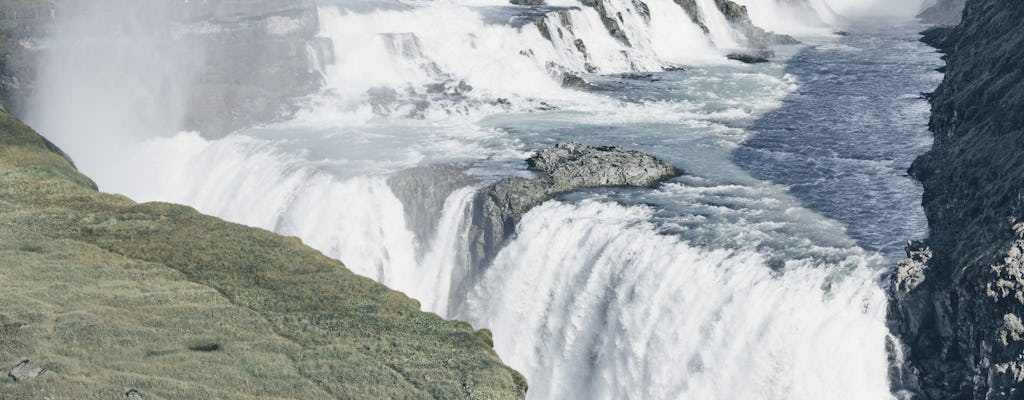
{"x": 752, "y": 57}
{"x": 423, "y": 191}
{"x": 957, "y": 300}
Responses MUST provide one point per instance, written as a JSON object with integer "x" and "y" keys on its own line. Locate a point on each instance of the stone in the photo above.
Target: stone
{"x": 944, "y": 12}
{"x": 748, "y": 58}
{"x": 561, "y": 169}
{"x": 956, "y": 301}
{"x": 25, "y": 371}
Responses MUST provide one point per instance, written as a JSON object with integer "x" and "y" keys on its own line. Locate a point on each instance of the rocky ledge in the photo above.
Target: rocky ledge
{"x": 101, "y": 297}
{"x": 561, "y": 169}
{"x": 497, "y": 208}
{"x": 957, "y": 302}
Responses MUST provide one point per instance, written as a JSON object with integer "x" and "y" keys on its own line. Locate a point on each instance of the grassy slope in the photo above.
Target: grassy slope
{"x": 109, "y": 295}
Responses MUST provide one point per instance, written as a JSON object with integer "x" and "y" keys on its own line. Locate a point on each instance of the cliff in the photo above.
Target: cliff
{"x": 958, "y": 300}
{"x": 110, "y": 296}
{"x": 944, "y": 12}
{"x": 273, "y": 41}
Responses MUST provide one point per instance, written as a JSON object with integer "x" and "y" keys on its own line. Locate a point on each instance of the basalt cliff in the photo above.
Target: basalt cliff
{"x": 203, "y": 44}
{"x": 958, "y": 299}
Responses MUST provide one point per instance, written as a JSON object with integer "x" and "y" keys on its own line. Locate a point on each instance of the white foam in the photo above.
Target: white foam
{"x": 590, "y": 302}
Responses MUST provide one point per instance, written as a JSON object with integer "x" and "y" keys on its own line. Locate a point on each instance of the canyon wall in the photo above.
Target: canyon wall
{"x": 237, "y": 63}
{"x": 958, "y": 299}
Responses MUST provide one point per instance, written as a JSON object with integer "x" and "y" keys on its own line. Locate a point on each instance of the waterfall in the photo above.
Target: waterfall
{"x": 593, "y": 303}
{"x": 596, "y": 296}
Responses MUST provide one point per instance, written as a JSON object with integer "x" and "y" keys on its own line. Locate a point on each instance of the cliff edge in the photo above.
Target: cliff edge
{"x": 958, "y": 299}
{"x": 108, "y": 298}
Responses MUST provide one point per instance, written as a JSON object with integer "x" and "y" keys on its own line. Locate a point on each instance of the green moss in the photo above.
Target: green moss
{"x": 274, "y": 304}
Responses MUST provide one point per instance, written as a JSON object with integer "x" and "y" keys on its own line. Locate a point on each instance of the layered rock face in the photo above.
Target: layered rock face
{"x": 22, "y": 22}
{"x": 101, "y": 297}
{"x": 238, "y": 62}
{"x": 958, "y": 300}
{"x": 754, "y": 36}
{"x": 566, "y": 167}
{"x": 497, "y": 208}
{"x": 944, "y": 12}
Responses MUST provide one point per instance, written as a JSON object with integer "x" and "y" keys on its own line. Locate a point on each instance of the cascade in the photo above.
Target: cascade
{"x": 715, "y": 286}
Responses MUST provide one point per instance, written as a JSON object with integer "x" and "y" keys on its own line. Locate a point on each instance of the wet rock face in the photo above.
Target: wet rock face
{"x": 611, "y": 23}
{"x": 563, "y": 168}
{"x": 423, "y": 192}
{"x": 754, "y": 36}
{"x": 958, "y": 299}
{"x": 269, "y": 41}
{"x": 272, "y": 43}
{"x": 944, "y": 12}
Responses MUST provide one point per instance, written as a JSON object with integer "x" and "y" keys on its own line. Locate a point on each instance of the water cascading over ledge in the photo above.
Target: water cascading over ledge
{"x": 575, "y": 295}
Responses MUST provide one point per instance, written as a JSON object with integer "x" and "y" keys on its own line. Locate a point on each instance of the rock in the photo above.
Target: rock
{"x": 944, "y": 12}
{"x": 638, "y": 77}
{"x": 573, "y": 81}
{"x": 563, "y": 168}
{"x": 750, "y": 58}
{"x": 693, "y": 11}
{"x": 611, "y": 24}
{"x": 133, "y": 395}
{"x": 207, "y": 42}
{"x": 754, "y": 36}
{"x": 423, "y": 191}
{"x": 956, "y": 301}
{"x": 527, "y": 2}
{"x": 25, "y": 371}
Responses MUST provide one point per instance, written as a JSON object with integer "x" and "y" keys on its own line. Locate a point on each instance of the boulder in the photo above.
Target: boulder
{"x": 560, "y": 169}
{"x": 25, "y": 371}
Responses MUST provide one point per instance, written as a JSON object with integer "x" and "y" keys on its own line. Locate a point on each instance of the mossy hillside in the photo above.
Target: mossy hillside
{"x": 110, "y": 295}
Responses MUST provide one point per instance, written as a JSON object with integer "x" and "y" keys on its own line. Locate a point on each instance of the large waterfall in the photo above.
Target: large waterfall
{"x": 715, "y": 285}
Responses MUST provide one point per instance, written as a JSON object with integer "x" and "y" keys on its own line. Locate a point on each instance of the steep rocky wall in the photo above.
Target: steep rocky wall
{"x": 21, "y": 23}
{"x": 247, "y": 60}
{"x": 110, "y": 296}
{"x": 958, "y": 300}
{"x": 944, "y": 12}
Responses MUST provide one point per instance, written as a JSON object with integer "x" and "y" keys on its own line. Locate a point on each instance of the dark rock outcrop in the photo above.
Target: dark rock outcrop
{"x": 957, "y": 301}
{"x": 527, "y": 2}
{"x": 752, "y": 57}
{"x": 563, "y": 168}
{"x": 754, "y": 36}
{"x": 22, "y": 23}
{"x": 611, "y": 23}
